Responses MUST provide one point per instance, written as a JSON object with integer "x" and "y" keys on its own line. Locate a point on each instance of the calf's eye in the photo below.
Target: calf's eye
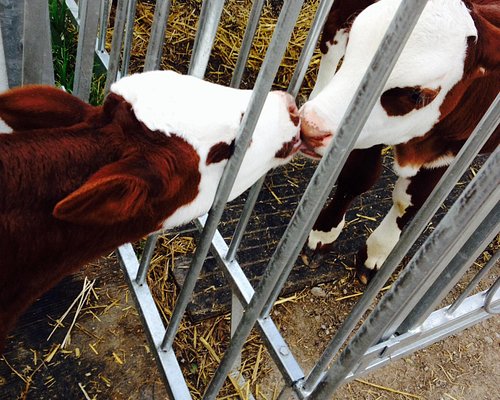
{"x": 400, "y": 101}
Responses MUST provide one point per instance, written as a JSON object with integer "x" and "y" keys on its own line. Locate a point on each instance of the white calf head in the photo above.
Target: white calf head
{"x": 438, "y": 55}
{"x": 207, "y": 117}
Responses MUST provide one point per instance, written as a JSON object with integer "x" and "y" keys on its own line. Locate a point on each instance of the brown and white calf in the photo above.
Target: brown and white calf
{"x": 444, "y": 81}
{"x": 76, "y": 181}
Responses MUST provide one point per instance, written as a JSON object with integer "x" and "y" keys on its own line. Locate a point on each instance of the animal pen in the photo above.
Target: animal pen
{"x": 407, "y": 317}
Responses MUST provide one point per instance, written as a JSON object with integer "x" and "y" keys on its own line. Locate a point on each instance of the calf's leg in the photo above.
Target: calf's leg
{"x": 408, "y": 196}
{"x": 361, "y": 170}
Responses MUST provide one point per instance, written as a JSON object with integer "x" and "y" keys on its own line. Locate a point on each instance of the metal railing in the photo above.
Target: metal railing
{"x": 406, "y": 318}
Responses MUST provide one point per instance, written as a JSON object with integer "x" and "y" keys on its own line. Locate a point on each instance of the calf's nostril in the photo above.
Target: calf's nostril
{"x": 294, "y": 114}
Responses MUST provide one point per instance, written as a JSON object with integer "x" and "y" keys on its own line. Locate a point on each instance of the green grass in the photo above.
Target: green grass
{"x": 64, "y": 47}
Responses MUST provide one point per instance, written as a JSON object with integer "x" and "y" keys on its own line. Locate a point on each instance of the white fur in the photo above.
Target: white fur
{"x": 316, "y": 237}
{"x": 432, "y": 58}
{"x": 205, "y": 114}
{"x": 384, "y": 238}
{"x": 330, "y": 62}
{"x": 4, "y": 128}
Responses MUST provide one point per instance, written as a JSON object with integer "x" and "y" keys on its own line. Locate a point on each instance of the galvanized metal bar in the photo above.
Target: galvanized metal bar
{"x": 438, "y": 326}
{"x": 147, "y": 255}
{"x": 157, "y": 38}
{"x": 211, "y": 11}
{"x": 454, "y": 271}
{"x": 322, "y": 181}
{"x": 490, "y": 305}
{"x": 309, "y": 46}
{"x": 129, "y": 34}
{"x": 293, "y": 89}
{"x": 243, "y": 290}
{"x": 246, "y": 45}
{"x": 151, "y": 320}
{"x": 103, "y": 24}
{"x": 73, "y": 8}
{"x": 4, "y": 79}
{"x": 38, "y": 67}
{"x": 408, "y": 237}
{"x": 85, "y": 51}
{"x": 473, "y": 283}
{"x": 12, "y": 22}
{"x": 240, "y": 229}
{"x": 116, "y": 44}
{"x": 476, "y": 201}
{"x": 259, "y": 94}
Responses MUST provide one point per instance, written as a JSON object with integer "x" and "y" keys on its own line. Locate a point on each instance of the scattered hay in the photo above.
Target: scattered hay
{"x": 181, "y": 32}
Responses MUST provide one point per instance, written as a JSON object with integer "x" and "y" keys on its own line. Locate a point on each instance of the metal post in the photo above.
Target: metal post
{"x": 12, "y": 22}
{"x": 155, "y": 45}
{"x": 211, "y": 11}
{"x": 129, "y": 34}
{"x": 322, "y": 181}
{"x": 86, "y": 46}
{"x": 253, "y": 22}
{"x": 408, "y": 237}
{"x": 103, "y": 25}
{"x": 265, "y": 78}
{"x": 146, "y": 257}
{"x": 38, "y": 67}
{"x": 116, "y": 44}
{"x": 477, "y": 201}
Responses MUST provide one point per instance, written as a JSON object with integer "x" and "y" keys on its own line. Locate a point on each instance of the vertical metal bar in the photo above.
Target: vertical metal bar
{"x": 4, "y": 79}
{"x": 293, "y": 89}
{"x": 103, "y": 24}
{"x": 155, "y": 45}
{"x": 129, "y": 31}
{"x": 253, "y": 22}
{"x": 309, "y": 46}
{"x": 322, "y": 181}
{"x": 85, "y": 51}
{"x": 477, "y": 200}
{"x": 265, "y": 78}
{"x": 147, "y": 255}
{"x": 408, "y": 237}
{"x": 473, "y": 283}
{"x": 253, "y": 195}
{"x": 38, "y": 67}
{"x": 211, "y": 11}
{"x": 12, "y": 22}
{"x": 116, "y": 44}
{"x": 453, "y": 272}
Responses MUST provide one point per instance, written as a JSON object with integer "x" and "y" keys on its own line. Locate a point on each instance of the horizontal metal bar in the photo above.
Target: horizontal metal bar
{"x": 438, "y": 326}
{"x": 242, "y": 288}
{"x": 460, "y": 263}
{"x": 472, "y": 284}
{"x": 153, "y": 325}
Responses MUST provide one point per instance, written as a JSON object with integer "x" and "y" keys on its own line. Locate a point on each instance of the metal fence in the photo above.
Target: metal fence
{"x": 405, "y": 319}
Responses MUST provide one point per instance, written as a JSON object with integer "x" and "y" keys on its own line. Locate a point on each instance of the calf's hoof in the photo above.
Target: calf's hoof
{"x": 314, "y": 258}
{"x": 364, "y": 274}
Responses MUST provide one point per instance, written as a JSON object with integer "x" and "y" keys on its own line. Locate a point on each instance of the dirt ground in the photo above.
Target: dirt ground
{"x": 109, "y": 357}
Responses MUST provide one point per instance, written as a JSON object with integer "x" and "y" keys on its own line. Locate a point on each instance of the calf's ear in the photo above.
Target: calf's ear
{"x": 38, "y": 107}
{"x": 105, "y": 199}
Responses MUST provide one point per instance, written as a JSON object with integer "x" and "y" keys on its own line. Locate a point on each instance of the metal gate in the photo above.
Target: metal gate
{"x": 405, "y": 319}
